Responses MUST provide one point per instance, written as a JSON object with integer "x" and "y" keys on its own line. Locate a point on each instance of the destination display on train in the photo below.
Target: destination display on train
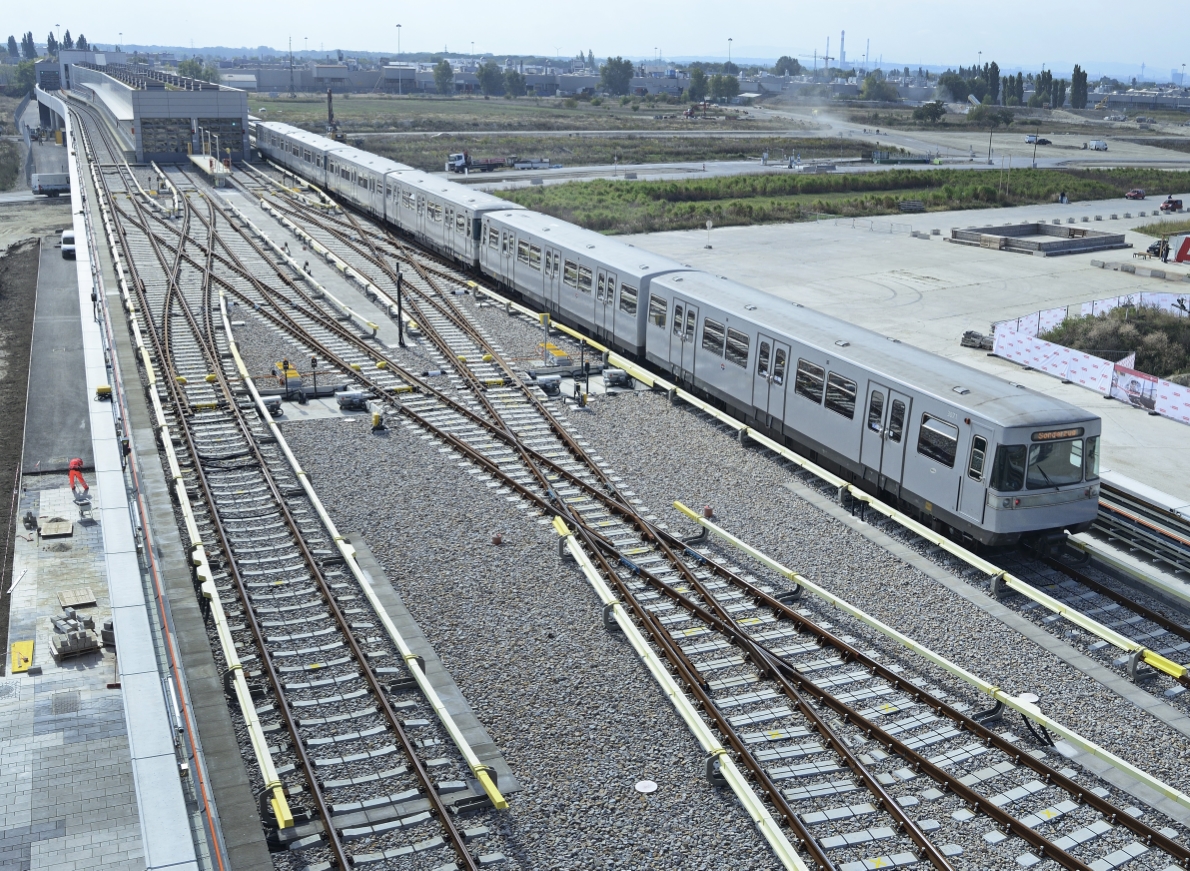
{"x": 1055, "y": 434}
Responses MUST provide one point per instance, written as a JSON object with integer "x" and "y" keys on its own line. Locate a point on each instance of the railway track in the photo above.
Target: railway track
{"x": 1065, "y": 577}
{"x": 1139, "y": 526}
{"x": 331, "y": 694}
{"x": 838, "y": 744}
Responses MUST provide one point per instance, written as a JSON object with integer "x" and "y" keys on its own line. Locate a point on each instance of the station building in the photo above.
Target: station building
{"x": 156, "y": 115}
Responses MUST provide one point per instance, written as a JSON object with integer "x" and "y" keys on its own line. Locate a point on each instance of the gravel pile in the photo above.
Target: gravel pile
{"x": 577, "y": 717}
{"x": 669, "y": 452}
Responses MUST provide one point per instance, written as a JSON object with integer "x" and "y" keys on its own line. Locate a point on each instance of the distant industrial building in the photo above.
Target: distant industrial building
{"x": 1170, "y": 99}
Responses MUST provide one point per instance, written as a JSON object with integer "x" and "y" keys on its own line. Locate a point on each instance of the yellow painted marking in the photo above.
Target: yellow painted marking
{"x": 22, "y": 656}
{"x": 315, "y": 665}
{"x": 1047, "y": 814}
{"x": 748, "y": 621}
{"x": 880, "y": 862}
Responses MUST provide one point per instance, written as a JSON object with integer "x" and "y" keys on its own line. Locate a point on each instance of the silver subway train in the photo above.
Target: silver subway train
{"x": 991, "y": 460}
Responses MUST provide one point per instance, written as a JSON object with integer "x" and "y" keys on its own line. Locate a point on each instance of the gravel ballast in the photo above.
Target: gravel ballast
{"x": 578, "y": 718}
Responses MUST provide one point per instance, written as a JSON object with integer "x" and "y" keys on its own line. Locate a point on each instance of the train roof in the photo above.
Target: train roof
{"x": 612, "y": 253}
{"x": 1000, "y": 401}
{"x": 454, "y": 193}
{"x": 350, "y": 153}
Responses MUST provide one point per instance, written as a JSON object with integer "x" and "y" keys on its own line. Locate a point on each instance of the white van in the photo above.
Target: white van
{"x": 1097, "y": 145}
{"x": 68, "y": 244}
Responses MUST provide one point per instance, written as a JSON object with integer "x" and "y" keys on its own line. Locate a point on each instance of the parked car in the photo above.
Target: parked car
{"x": 1135, "y": 194}
{"x": 1155, "y": 249}
{"x": 1171, "y": 205}
{"x": 1043, "y": 141}
{"x": 68, "y": 244}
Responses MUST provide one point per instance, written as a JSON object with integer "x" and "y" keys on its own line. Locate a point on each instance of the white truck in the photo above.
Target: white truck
{"x": 51, "y": 183}
{"x": 1097, "y": 145}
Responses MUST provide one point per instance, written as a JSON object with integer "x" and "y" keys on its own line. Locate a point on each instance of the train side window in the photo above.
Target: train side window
{"x": 601, "y": 287}
{"x": 809, "y": 380}
{"x": 840, "y": 395}
{"x": 690, "y": 315}
{"x": 896, "y": 421}
{"x": 1008, "y": 470}
{"x": 461, "y": 223}
{"x": 522, "y": 251}
{"x": 628, "y": 299}
{"x": 658, "y": 308}
{"x": 584, "y": 279}
{"x": 979, "y": 451}
{"x": 678, "y": 311}
{"x": 876, "y": 411}
{"x": 762, "y": 360}
{"x": 737, "y": 347}
{"x": 712, "y": 337}
{"x": 570, "y": 273}
{"x": 779, "y": 362}
{"x": 938, "y": 440}
{"x": 493, "y": 237}
{"x": 535, "y": 257}
{"x": 1092, "y": 458}
{"x": 611, "y": 290}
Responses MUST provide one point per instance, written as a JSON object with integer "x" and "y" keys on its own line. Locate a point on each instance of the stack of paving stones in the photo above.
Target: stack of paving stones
{"x": 74, "y": 634}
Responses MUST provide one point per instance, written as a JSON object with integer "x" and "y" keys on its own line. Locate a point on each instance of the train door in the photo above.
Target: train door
{"x": 553, "y": 279}
{"x": 508, "y": 257}
{"x": 882, "y": 447}
{"x": 892, "y": 461}
{"x": 973, "y": 490}
{"x": 768, "y": 384}
{"x": 605, "y": 295}
{"x": 681, "y": 339}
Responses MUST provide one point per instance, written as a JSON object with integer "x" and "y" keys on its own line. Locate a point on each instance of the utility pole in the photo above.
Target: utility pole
{"x": 729, "y": 49}
{"x": 292, "y": 92}
{"x": 400, "y": 69}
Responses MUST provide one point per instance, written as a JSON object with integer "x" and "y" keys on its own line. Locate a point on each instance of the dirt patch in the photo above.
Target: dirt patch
{"x": 18, "y": 292}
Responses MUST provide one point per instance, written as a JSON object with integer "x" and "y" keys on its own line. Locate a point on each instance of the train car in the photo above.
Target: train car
{"x": 989, "y": 459}
{"x": 993, "y": 460}
{"x": 297, "y": 150}
{"x": 441, "y": 214}
{"x": 588, "y": 279}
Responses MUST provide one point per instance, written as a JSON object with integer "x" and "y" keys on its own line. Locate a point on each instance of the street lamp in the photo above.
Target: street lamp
{"x": 729, "y": 49}
{"x": 400, "y": 70}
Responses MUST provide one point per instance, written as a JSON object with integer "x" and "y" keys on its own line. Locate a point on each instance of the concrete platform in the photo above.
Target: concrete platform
{"x": 65, "y": 762}
{"x": 927, "y": 293}
{"x": 56, "y": 424}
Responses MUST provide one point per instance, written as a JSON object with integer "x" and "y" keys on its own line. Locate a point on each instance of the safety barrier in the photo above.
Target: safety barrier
{"x": 482, "y": 772}
{"x": 1028, "y": 709}
{"x": 751, "y": 803}
{"x": 998, "y": 577}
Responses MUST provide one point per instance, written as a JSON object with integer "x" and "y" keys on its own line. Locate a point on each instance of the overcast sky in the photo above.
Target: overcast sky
{"x": 1104, "y": 36}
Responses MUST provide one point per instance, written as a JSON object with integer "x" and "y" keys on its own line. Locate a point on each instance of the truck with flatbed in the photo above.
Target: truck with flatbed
{"x": 464, "y": 162}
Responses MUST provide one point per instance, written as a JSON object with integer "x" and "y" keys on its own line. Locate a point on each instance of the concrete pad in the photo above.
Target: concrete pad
{"x": 161, "y": 804}
{"x": 123, "y": 578}
{"x": 57, "y": 426}
{"x": 134, "y": 641}
{"x": 149, "y": 732}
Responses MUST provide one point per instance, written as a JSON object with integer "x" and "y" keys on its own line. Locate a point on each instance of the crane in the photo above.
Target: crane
{"x": 826, "y": 59}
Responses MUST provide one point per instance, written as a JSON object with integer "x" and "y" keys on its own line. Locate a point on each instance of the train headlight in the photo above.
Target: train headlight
{"x": 1002, "y": 503}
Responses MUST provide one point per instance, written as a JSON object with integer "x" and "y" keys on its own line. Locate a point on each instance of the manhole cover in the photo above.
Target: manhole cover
{"x": 65, "y": 703}
{"x": 646, "y": 786}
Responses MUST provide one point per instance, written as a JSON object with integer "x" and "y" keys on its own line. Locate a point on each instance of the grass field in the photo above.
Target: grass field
{"x": 646, "y": 206}
{"x": 430, "y": 153}
{"x": 1164, "y": 228}
{"x": 379, "y": 112}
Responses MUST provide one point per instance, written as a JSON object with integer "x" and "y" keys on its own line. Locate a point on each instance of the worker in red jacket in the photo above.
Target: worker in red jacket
{"x": 76, "y": 477}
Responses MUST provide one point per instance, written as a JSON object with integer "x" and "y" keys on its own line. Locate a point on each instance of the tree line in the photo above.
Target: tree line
{"x": 28, "y": 46}
{"x": 989, "y": 87}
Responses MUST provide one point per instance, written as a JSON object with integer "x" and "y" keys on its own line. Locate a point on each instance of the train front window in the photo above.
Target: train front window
{"x": 1092, "y": 458}
{"x": 1008, "y": 471}
{"x": 1054, "y": 464}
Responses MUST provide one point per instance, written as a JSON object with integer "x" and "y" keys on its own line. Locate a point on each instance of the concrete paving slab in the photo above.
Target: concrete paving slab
{"x": 151, "y": 736}
{"x": 56, "y": 426}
